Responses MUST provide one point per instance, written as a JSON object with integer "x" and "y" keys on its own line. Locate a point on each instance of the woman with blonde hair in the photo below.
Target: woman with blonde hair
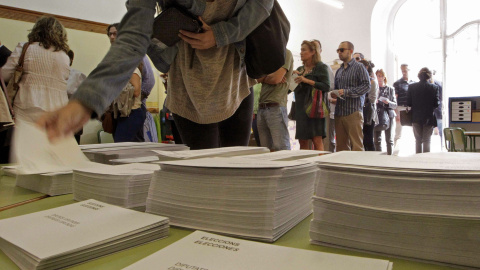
{"x": 313, "y": 74}
{"x": 46, "y": 67}
{"x": 387, "y": 101}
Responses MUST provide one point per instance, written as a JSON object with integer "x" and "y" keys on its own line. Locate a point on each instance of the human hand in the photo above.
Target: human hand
{"x": 385, "y": 101}
{"x": 64, "y": 121}
{"x": 296, "y": 72}
{"x": 201, "y": 41}
{"x": 337, "y": 94}
{"x": 284, "y": 80}
{"x": 299, "y": 79}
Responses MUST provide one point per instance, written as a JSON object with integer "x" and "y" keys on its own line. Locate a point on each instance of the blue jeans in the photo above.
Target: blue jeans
{"x": 272, "y": 124}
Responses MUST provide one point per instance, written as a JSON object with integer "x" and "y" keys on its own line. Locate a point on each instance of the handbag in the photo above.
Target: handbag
{"x": 167, "y": 25}
{"x": 122, "y": 105}
{"x": 315, "y": 107}
{"x": 406, "y": 117}
{"x": 266, "y": 45}
{"x": 292, "y": 114}
{"x": 383, "y": 118}
{"x": 108, "y": 122}
{"x": 13, "y": 87}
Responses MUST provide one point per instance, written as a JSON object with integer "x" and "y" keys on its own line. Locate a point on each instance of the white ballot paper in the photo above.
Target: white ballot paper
{"x": 336, "y": 92}
{"x": 35, "y": 154}
{"x": 201, "y": 250}
{"x": 75, "y": 233}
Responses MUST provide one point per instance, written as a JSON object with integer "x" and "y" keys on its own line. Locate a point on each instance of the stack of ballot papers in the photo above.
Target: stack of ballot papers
{"x": 425, "y": 206}
{"x": 123, "y": 185}
{"x": 233, "y": 151}
{"x": 212, "y": 152}
{"x": 103, "y": 153}
{"x": 201, "y": 250}
{"x": 286, "y": 155}
{"x": 236, "y": 196}
{"x": 72, "y": 234}
{"x": 53, "y": 184}
{"x": 146, "y": 159}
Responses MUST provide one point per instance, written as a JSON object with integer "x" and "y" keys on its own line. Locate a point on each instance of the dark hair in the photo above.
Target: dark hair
{"x": 112, "y": 25}
{"x": 318, "y": 41}
{"x": 381, "y": 71}
{"x": 368, "y": 65}
{"x": 350, "y": 45}
{"x": 48, "y": 31}
{"x": 361, "y": 55}
{"x": 424, "y": 74}
{"x": 71, "y": 55}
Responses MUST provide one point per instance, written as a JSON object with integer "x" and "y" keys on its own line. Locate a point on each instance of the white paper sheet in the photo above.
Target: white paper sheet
{"x": 201, "y": 250}
{"x": 35, "y": 154}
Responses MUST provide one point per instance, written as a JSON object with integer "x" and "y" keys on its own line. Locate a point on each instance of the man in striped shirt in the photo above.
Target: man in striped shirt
{"x": 352, "y": 82}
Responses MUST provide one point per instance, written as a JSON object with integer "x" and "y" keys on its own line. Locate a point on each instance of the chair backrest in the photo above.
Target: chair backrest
{"x": 447, "y": 136}
{"x": 456, "y": 138}
{"x": 104, "y": 137}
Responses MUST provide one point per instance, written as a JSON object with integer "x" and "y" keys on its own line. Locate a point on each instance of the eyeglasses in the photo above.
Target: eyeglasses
{"x": 112, "y": 33}
{"x": 341, "y": 50}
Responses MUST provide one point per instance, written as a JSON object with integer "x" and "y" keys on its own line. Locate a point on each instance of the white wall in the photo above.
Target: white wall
{"x": 309, "y": 19}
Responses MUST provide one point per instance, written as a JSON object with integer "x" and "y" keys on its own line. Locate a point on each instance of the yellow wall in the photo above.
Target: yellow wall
{"x": 89, "y": 48}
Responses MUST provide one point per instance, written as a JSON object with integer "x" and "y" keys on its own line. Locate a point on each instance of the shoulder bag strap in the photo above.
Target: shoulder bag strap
{"x": 18, "y": 70}
{"x": 22, "y": 58}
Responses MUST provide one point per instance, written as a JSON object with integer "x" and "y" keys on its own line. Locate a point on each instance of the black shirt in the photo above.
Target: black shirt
{"x": 401, "y": 90}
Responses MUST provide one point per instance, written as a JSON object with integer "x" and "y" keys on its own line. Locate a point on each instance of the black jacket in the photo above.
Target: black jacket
{"x": 4, "y": 54}
{"x": 423, "y": 98}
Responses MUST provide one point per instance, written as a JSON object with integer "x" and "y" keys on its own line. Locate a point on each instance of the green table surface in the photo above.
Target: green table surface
{"x": 297, "y": 237}
{"x": 10, "y": 194}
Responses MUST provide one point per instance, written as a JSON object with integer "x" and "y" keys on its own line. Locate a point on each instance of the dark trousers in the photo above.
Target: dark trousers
{"x": 423, "y": 135}
{"x": 389, "y": 134}
{"x": 255, "y": 130}
{"x": 128, "y": 127}
{"x": 234, "y": 131}
{"x": 368, "y": 137}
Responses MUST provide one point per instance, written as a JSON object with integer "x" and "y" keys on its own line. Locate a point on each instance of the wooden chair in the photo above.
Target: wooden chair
{"x": 455, "y": 139}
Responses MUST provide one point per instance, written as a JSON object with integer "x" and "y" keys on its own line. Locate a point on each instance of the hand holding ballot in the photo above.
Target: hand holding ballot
{"x": 337, "y": 93}
{"x": 65, "y": 121}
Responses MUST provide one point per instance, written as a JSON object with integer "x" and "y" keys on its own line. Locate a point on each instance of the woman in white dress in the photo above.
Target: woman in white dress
{"x": 43, "y": 86}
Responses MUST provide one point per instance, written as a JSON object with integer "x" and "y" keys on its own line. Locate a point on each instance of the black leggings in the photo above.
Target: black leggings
{"x": 234, "y": 131}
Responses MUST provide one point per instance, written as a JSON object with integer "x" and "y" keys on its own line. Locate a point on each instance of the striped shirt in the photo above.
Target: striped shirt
{"x": 355, "y": 81}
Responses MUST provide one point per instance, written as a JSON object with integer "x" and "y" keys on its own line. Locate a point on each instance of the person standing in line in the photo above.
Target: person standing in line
{"x": 387, "y": 100}
{"x": 272, "y": 112}
{"x": 438, "y": 110}
{"x": 352, "y": 82}
{"x": 46, "y": 67}
{"x": 423, "y": 98}
{"x": 74, "y": 80}
{"x": 370, "y": 117}
{"x": 148, "y": 81}
{"x": 313, "y": 74}
{"x": 331, "y": 121}
{"x": 401, "y": 90}
{"x": 329, "y": 142}
{"x": 358, "y": 56}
